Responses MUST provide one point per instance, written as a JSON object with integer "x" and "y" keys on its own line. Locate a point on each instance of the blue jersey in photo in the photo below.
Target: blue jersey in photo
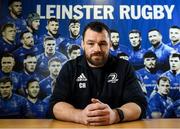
{"x": 25, "y": 77}
{"x": 46, "y": 86}
{"x": 14, "y": 107}
{"x": 158, "y": 103}
{"x": 20, "y": 23}
{"x": 15, "y": 77}
{"x": 42, "y": 66}
{"x": 173, "y": 110}
{"x": 176, "y": 46}
{"x": 37, "y": 109}
{"x": 7, "y": 47}
{"x": 149, "y": 79}
{"x": 162, "y": 52}
{"x": 175, "y": 84}
{"x": 136, "y": 58}
{"x": 69, "y": 41}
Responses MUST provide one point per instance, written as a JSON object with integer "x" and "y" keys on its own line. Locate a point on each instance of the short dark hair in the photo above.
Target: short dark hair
{"x": 135, "y": 31}
{"x": 155, "y": 30}
{"x": 46, "y": 38}
{"x": 29, "y": 55}
{"x": 73, "y": 47}
{"x": 163, "y": 78}
{"x": 5, "y": 80}
{"x": 24, "y": 32}
{"x": 12, "y": 1}
{"x": 30, "y": 81}
{"x": 149, "y": 54}
{"x": 73, "y": 21}
{"x": 175, "y": 27}
{"x": 6, "y": 25}
{"x": 52, "y": 19}
{"x": 96, "y": 26}
{"x": 55, "y": 59}
{"x": 175, "y": 55}
{"x": 114, "y": 31}
{"x": 7, "y": 54}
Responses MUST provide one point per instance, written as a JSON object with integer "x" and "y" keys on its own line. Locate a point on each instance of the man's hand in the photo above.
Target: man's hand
{"x": 98, "y": 113}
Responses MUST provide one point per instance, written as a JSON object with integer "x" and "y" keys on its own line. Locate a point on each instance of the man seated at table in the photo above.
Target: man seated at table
{"x": 97, "y": 88}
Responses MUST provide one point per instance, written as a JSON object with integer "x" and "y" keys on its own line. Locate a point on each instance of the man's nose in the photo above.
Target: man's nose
{"x": 97, "y": 47}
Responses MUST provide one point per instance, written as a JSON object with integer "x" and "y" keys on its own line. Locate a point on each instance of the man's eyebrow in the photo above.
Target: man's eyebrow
{"x": 90, "y": 40}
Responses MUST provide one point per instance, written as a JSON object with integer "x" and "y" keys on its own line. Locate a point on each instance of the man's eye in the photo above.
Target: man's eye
{"x": 90, "y": 43}
{"x": 103, "y": 44}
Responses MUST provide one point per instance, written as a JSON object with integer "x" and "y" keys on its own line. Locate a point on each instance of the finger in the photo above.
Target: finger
{"x": 96, "y": 106}
{"x": 97, "y": 113}
{"x": 97, "y": 119}
{"x": 93, "y": 100}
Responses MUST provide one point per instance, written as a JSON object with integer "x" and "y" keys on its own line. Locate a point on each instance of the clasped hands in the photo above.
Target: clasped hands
{"x": 98, "y": 113}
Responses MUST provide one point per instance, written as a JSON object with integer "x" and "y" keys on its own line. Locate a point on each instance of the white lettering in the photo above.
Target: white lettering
{"x": 108, "y": 12}
{"x": 124, "y": 12}
{"x": 50, "y": 11}
{"x": 88, "y": 12}
{"x": 169, "y": 11}
{"x": 98, "y": 12}
{"x": 58, "y": 12}
{"x": 138, "y": 12}
{"x": 158, "y": 12}
{"x": 67, "y": 12}
{"x": 38, "y": 10}
{"x": 79, "y": 13}
{"x": 105, "y": 11}
{"x": 147, "y": 12}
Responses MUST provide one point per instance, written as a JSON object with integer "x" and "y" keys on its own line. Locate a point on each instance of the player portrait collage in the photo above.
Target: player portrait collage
{"x": 30, "y": 63}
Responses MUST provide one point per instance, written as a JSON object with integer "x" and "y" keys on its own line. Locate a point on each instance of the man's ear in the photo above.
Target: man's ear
{"x": 46, "y": 27}
{"x": 26, "y": 91}
{"x": 82, "y": 44}
{"x": 3, "y": 34}
{"x": 110, "y": 43}
{"x": 10, "y": 8}
{"x": 22, "y": 41}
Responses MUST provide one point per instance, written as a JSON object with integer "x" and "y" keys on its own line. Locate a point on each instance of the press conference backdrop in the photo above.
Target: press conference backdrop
{"x": 33, "y": 66}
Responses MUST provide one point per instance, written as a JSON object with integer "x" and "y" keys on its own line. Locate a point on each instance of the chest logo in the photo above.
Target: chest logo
{"x": 112, "y": 78}
{"x": 81, "y": 78}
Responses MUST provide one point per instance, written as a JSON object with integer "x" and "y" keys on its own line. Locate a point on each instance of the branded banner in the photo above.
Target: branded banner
{"x": 39, "y": 36}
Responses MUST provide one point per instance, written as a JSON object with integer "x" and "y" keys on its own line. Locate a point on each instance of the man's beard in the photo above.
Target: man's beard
{"x": 100, "y": 62}
{"x": 136, "y": 48}
{"x": 152, "y": 70}
{"x": 18, "y": 15}
{"x": 30, "y": 45}
{"x": 115, "y": 46}
{"x": 55, "y": 75}
{"x": 33, "y": 97}
{"x": 54, "y": 35}
{"x": 29, "y": 72}
{"x": 73, "y": 35}
{"x": 175, "y": 41}
{"x": 174, "y": 72}
{"x": 33, "y": 30}
{"x": 155, "y": 45}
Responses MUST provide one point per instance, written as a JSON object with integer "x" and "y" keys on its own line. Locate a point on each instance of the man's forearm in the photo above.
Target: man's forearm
{"x": 131, "y": 111}
{"x": 66, "y": 112}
